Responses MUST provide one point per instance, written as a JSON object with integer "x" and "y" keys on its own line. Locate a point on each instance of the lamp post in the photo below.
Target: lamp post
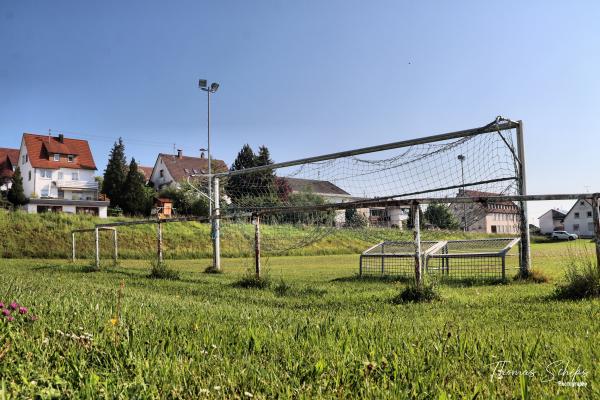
{"x": 462, "y": 158}
{"x": 203, "y": 85}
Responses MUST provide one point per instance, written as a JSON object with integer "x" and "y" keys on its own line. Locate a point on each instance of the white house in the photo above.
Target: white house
{"x": 500, "y": 217}
{"x": 579, "y": 219}
{"x": 552, "y": 220}
{"x": 58, "y": 175}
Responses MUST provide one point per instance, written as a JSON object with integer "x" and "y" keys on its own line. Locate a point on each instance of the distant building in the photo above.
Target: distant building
{"x": 331, "y": 193}
{"x": 171, "y": 169}
{"x": 8, "y": 163}
{"x": 58, "y": 175}
{"x": 579, "y": 219}
{"x": 146, "y": 171}
{"x": 552, "y": 220}
{"x": 501, "y": 217}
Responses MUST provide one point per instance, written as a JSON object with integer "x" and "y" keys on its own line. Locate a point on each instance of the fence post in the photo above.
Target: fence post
{"x": 257, "y": 245}
{"x": 97, "y": 240}
{"x": 417, "y": 239}
{"x": 382, "y": 258}
{"x": 360, "y": 266}
{"x": 503, "y": 266}
{"x": 525, "y": 252}
{"x": 159, "y": 243}
{"x": 216, "y": 226}
{"x": 116, "y": 243}
{"x": 73, "y": 242}
{"x": 596, "y": 217}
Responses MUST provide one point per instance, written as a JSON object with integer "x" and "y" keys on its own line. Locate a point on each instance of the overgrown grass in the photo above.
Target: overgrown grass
{"x": 413, "y": 293}
{"x": 325, "y": 336}
{"x": 534, "y": 275}
{"x": 160, "y": 270}
{"x": 582, "y": 279}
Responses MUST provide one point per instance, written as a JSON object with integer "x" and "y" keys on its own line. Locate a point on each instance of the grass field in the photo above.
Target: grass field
{"x": 325, "y": 334}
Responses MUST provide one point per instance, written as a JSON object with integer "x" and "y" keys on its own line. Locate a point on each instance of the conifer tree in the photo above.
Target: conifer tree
{"x": 115, "y": 174}
{"x": 239, "y": 186}
{"x": 135, "y": 200}
{"x": 15, "y": 194}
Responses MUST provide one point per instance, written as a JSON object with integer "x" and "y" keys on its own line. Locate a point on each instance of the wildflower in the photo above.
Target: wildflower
{"x": 204, "y": 391}
{"x": 23, "y": 310}
{"x": 6, "y": 312}
{"x": 1, "y": 304}
{"x": 14, "y": 305}
{"x": 113, "y": 321}
{"x": 10, "y": 318}
{"x": 33, "y": 318}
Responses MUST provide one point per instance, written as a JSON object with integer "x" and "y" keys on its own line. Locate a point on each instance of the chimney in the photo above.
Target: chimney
{"x": 179, "y": 154}
{"x": 202, "y": 154}
{"x": 61, "y": 138}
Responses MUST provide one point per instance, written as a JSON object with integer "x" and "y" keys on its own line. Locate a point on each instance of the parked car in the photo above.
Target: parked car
{"x": 564, "y": 235}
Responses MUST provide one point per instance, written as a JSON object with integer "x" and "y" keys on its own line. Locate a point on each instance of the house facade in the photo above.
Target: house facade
{"x": 170, "y": 169}
{"x": 579, "y": 219}
{"x": 552, "y": 220}
{"x": 8, "y": 163}
{"x": 500, "y": 217}
{"x": 59, "y": 175}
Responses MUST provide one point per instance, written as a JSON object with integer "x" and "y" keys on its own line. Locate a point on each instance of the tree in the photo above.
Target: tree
{"x": 115, "y": 174}
{"x": 265, "y": 180}
{"x": 439, "y": 215}
{"x": 186, "y": 200}
{"x": 15, "y": 194}
{"x": 354, "y": 219}
{"x": 410, "y": 222}
{"x": 134, "y": 199}
{"x": 238, "y": 186}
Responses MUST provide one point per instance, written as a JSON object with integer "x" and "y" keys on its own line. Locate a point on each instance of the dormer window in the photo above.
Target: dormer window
{"x": 56, "y": 157}
{"x": 70, "y": 158}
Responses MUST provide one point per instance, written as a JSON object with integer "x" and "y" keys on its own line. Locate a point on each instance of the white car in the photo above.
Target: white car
{"x": 564, "y": 235}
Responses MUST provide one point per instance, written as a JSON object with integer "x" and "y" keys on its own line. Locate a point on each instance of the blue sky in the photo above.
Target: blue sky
{"x": 306, "y": 77}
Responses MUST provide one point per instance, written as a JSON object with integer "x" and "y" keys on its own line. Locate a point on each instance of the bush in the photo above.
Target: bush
{"x": 252, "y": 281}
{"x": 582, "y": 280}
{"x": 533, "y": 276}
{"x": 417, "y": 294}
{"x": 212, "y": 270}
{"x": 160, "y": 270}
{"x": 283, "y": 288}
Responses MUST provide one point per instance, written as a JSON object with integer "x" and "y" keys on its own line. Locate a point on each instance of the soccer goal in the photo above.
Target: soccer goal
{"x": 374, "y": 195}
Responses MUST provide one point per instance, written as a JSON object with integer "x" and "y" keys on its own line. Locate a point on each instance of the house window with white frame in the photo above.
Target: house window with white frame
{"x": 577, "y": 215}
{"x": 56, "y": 157}
{"x": 60, "y": 176}
{"x": 576, "y": 227}
{"x": 45, "y": 191}
{"x": 70, "y": 158}
{"x": 46, "y": 173}
{"x": 75, "y": 176}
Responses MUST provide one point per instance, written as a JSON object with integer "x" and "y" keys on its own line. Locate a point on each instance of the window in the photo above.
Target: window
{"x": 57, "y": 157}
{"x": 29, "y": 175}
{"x": 75, "y": 176}
{"x": 61, "y": 176}
{"x": 589, "y": 214}
{"x": 23, "y": 159}
{"x": 45, "y": 191}
{"x": 70, "y": 158}
{"x": 576, "y": 227}
{"x": 162, "y": 173}
{"x": 576, "y": 215}
{"x": 581, "y": 203}
{"x": 46, "y": 173}
{"x": 591, "y": 226}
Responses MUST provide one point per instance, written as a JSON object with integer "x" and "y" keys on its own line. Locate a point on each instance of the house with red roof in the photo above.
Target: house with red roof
{"x": 501, "y": 217}
{"x": 59, "y": 175}
{"x": 8, "y": 164}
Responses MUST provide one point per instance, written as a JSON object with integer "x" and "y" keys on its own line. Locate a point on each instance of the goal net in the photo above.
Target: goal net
{"x": 301, "y": 204}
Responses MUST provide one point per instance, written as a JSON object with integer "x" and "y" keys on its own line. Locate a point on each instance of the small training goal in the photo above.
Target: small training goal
{"x": 456, "y": 259}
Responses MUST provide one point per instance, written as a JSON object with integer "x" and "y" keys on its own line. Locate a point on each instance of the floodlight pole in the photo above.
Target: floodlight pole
{"x": 525, "y": 254}
{"x": 216, "y": 229}
{"x": 203, "y": 85}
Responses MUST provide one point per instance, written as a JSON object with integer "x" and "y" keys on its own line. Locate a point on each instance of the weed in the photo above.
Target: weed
{"x": 426, "y": 292}
{"x": 160, "y": 270}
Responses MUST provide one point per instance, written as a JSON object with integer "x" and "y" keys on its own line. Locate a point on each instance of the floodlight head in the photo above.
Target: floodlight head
{"x": 461, "y": 157}
{"x": 214, "y": 86}
{"x": 203, "y": 149}
{"x": 202, "y": 83}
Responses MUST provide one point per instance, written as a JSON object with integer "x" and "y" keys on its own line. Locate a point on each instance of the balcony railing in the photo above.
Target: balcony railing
{"x": 80, "y": 185}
